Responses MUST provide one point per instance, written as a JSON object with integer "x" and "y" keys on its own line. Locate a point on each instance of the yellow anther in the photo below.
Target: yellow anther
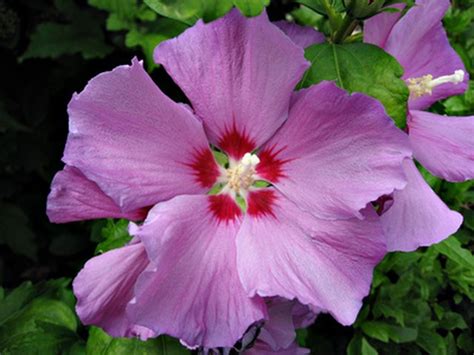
{"x": 425, "y": 84}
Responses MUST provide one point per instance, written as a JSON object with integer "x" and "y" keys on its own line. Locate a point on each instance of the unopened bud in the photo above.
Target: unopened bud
{"x": 362, "y": 9}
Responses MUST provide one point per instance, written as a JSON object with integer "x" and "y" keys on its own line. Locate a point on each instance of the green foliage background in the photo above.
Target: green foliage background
{"x": 421, "y": 302}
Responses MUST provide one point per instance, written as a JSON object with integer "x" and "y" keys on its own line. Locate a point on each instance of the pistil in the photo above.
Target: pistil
{"x": 240, "y": 175}
{"x": 425, "y": 84}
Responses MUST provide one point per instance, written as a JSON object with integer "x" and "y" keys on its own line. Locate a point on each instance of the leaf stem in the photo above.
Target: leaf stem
{"x": 345, "y": 29}
{"x": 333, "y": 16}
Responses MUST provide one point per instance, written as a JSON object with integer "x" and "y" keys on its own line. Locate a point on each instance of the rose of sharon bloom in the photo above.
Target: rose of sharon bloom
{"x": 443, "y": 145}
{"x": 201, "y": 262}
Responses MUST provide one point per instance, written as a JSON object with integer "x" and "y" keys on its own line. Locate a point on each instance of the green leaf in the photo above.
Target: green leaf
{"x": 465, "y": 341}
{"x": 123, "y": 8}
{"x": 469, "y": 219}
{"x": 189, "y": 11}
{"x": 82, "y": 35}
{"x": 46, "y": 339}
{"x": 453, "y": 250}
{"x": 251, "y": 7}
{"x": 320, "y": 5}
{"x": 101, "y": 343}
{"x": 385, "y": 332}
{"x": 213, "y": 9}
{"x": 360, "y": 67}
{"x": 367, "y": 349}
{"x": 44, "y": 326}
{"x": 452, "y": 320}
{"x": 13, "y": 302}
{"x": 360, "y": 346}
{"x": 301, "y": 336}
{"x": 462, "y": 104}
{"x": 115, "y": 235}
{"x": 354, "y": 346}
{"x": 53, "y": 40}
{"x": 44, "y": 309}
{"x": 431, "y": 342}
{"x": 148, "y": 37}
{"x": 16, "y": 232}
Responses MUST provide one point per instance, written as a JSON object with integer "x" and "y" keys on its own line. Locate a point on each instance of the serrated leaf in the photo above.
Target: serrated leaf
{"x": 115, "y": 235}
{"x": 251, "y": 7}
{"x": 465, "y": 341}
{"x": 82, "y": 35}
{"x": 117, "y": 23}
{"x": 52, "y": 40}
{"x": 384, "y": 332}
{"x": 360, "y": 67}
{"x": 367, "y": 349}
{"x": 51, "y": 340}
{"x": 13, "y": 302}
{"x": 123, "y": 8}
{"x": 469, "y": 219}
{"x": 189, "y": 11}
{"x": 45, "y": 326}
{"x": 320, "y": 5}
{"x": 101, "y": 343}
{"x": 452, "y": 320}
{"x": 148, "y": 37}
{"x": 431, "y": 342}
{"x": 453, "y": 250}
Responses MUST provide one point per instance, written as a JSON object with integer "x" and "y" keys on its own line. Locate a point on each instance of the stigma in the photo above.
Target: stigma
{"x": 425, "y": 84}
{"x": 240, "y": 175}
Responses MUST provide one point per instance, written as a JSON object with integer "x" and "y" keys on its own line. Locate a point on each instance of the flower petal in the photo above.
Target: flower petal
{"x": 419, "y": 42}
{"x": 377, "y": 29}
{"x": 195, "y": 293}
{"x": 336, "y": 153}
{"x": 73, "y": 197}
{"x": 104, "y": 287}
{"x": 134, "y": 142}
{"x": 443, "y": 145}
{"x": 303, "y": 36}
{"x": 284, "y": 316}
{"x": 279, "y": 330}
{"x": 262, "y": 348}
{"x": 325, "y": 264}
{"x": 417, "y": 216}
{"x": 238, "y": 73}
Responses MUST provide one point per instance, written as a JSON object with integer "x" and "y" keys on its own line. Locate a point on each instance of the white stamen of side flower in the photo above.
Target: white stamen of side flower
{"x": 240, "y": 175}
{"x": 425, "y": 84}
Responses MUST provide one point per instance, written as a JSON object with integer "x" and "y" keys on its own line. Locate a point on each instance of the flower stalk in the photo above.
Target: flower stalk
{"x": 345, "y": 29}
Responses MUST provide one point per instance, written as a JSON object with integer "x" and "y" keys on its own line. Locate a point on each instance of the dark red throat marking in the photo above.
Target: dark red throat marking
{"x": 271, "y": 167}
{"x": 205, "y": 168}
{"x": 236, "y": 143}
{"x": 261, "y": 203}
{"x": 224, "y": 208}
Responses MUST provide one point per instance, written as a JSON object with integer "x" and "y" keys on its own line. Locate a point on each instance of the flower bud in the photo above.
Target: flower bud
{"x": 362, "y": 9}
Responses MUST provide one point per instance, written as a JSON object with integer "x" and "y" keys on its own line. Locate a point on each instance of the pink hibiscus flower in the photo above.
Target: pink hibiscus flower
{"x": 201, "y": 263}
{"x": 443, "y": 145}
